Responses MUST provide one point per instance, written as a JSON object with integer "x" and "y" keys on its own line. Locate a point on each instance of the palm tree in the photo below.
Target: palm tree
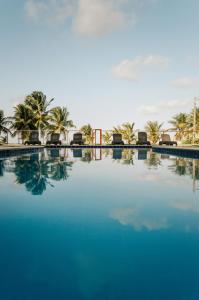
{"x": 59, "y": 122}
{"x": 127, "y": 132}
{"x": 180, "y": 125}
{"x": 107, "y": 137}
{"x": 153, "y": 130}
{"x": 23, "y": 121}
{"x": 88, "y": 133}
{"x": 4, "y": 122}
{"x": 190, "y": 118}
{"x": 39, "y": 105}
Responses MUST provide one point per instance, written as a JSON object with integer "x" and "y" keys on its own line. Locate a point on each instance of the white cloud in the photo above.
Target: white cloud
{"x": 96, "y": 17}
{"x": 148, "y": 109}
{"x": 50, "y": 11}
{"x": 89, "y": 17}
{"x": 128, "y": 69}
{"x": 184, "y": 82}
{"x": 137, "y": 219}
{"x": 156, "y": 109}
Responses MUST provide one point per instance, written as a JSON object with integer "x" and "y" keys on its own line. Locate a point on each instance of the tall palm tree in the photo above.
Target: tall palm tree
{"x": 153, "y": 130}
{"x": 88, "y": 133}
{"x": 39, "y": 105}
{"x": 59, "y": 122}
{"x": 180, "y": 125}
{"x": 23, "y": 121}
{"x": 4, "y": 122}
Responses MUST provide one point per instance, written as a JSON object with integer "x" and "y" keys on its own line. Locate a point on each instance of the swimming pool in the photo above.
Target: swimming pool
{"x": 99, "y": 224}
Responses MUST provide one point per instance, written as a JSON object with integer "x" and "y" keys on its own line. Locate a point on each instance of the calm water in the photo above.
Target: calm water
{"x": 86, "y": 225}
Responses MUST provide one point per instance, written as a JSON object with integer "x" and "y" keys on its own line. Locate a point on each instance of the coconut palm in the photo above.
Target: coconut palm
{"x": 87, "y": 133}
{"x": 39, "y": 105}
{"x": 107, "y": 137}
{"x": 190, "y": 118}
{"x": 4, "y": 122}
{"x": 23, "y": 121}
{"x": 153, "y": 130}
{"x": 59, "y": 122}
{"x": 127, "y": 132}
{"x": 180, "y": 125}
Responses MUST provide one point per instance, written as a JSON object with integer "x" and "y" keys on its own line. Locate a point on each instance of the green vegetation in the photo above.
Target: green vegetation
{"x": 87, "y": 132}
{"x": 36, "y": 113}
{"x": 153, "y": 128}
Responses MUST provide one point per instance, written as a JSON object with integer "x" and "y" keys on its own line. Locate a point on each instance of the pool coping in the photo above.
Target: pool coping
{"x": 186, "y": 152}
{"x": 99, "y": 146}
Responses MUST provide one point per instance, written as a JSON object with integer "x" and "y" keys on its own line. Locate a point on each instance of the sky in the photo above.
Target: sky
{"x": 108, "y": 61}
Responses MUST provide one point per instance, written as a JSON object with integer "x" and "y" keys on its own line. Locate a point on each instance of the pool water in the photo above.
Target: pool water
{"x": 99, "y": 224}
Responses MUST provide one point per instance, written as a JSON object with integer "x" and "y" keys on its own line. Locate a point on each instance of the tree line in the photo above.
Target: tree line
{"x": 37, "y": 113}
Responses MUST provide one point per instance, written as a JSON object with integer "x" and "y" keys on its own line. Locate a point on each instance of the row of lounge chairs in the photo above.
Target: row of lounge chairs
{"x": 117, "y": 139}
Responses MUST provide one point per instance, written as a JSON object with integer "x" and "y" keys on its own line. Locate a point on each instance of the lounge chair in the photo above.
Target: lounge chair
{"x": 77, "y": 139}
{"x": 166, "y": 140}
{"x": 117, "y": 139}
{"x": 54, "y": 139}
{"x": 33, "y": 139}
{"x": 142, "y": 138}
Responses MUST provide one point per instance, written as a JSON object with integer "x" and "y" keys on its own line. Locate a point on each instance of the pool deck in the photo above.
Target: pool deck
{"x": 182, "y": 151}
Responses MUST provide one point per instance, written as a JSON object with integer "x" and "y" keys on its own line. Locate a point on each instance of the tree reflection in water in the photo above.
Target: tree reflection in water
{"x": 153, "y": 160}
{"x": 36, "y": 173}
{"x": 2, "y": 168}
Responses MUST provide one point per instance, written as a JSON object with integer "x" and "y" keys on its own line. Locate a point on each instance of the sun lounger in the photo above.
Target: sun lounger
{"x": 117, "y": 139}
{"x": 166, "y": 140}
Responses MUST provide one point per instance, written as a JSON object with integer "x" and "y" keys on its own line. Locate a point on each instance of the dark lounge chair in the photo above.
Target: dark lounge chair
{"x": 54, "y": 139}
{"x": 77, "y": 139}
{"x": 117, "y": 139}
{"x": 33, "y": 139}
{"x": 166, "y": 140}
{"x": 142, "y": 139}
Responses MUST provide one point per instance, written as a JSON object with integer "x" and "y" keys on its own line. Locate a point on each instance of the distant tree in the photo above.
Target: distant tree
{"x": 87, "y": 133}
{"x": 107, "y": 137}
{"x": 153, "y": 130}
{"x": 58, "y": 120}
{"x": 38, "y": 104}
{"x": 127, "y": 131}
{"x": 23, "y": 121}
{"x": 180, "y": 125}
{"x": 4, "y": 123}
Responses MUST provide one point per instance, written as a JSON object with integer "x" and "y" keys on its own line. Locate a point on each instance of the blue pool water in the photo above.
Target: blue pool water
{"x": 89, "y": 225}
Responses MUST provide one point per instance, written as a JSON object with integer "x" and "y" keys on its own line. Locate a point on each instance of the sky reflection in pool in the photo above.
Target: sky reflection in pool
{"x": 91, "y": 224}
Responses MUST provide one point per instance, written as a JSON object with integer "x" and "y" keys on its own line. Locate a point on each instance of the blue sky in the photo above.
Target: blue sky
{"x": 108, "y": 61}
